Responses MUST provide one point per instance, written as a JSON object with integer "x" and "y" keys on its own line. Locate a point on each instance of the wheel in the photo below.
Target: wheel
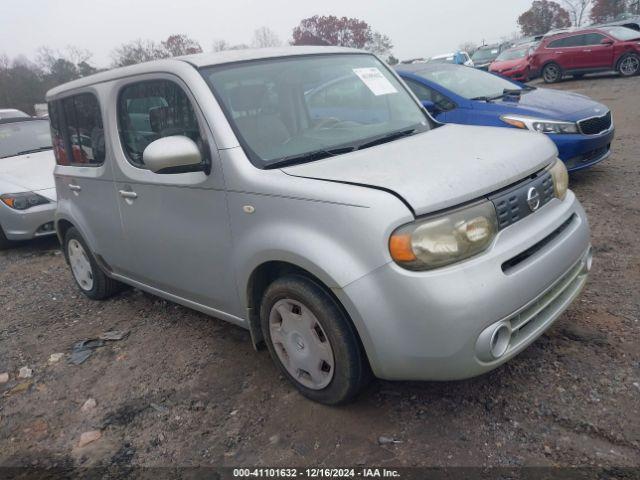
{"x": 4, "y": 242}
{"x": 629, "y": 65}
{"x": 312, "y": 342}
{"x": 551, "y": 73}
{"x": 88, "y": 276}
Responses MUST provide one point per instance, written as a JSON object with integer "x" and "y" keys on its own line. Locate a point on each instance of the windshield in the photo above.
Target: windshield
{"x": 24, "y": 137}
{"x": 304, "y": 108}
{"x": 485, "y": 54}
{"x": 468, "y": 82}
{"x": 513, "y": 54}
{"x": 622, "y": 33}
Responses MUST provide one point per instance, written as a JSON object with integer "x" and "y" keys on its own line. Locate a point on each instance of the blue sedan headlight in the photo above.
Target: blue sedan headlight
{"x": 541, "y": 125}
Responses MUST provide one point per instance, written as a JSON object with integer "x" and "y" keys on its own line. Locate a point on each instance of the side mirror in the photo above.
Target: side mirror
{"x": 171, "y": 152}
{"x": 606, "y": 41}
{"x": 430, "y": 107}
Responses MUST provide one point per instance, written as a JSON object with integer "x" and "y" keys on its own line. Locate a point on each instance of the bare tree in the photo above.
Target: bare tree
{"x": 265, "y": 37}
{"x": 578, "y": 10}
{"x": 4, "y": 61}
{"x": 137, "y": 51}
{"x": 77, "y": 55}
{"x": 379, "y": 44}
{"x": 222, "y": 45}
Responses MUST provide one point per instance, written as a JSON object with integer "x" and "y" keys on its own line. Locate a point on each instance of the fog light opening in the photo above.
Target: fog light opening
{"x": 500, "y": 341}
{"x": 588, "y": 261}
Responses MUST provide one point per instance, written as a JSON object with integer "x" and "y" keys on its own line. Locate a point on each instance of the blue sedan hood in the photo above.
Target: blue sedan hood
{"x": 546, "y": 103}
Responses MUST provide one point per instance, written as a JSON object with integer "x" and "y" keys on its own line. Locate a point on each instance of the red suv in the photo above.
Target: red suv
{"x": 586, "y": 51}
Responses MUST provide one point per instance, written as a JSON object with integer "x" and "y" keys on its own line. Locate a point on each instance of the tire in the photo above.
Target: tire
{"x": 629, "y": 65}
{"x": 313, "y": 336}
{"x": 90, "y": 279}
{"x": 551, "y": 73}
{"x": 4, "y": 242}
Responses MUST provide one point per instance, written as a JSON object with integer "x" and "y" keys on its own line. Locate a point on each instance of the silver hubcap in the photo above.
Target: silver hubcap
{"x": 301, "y": 344}
{"x": 551, "y": 73}
{"x": 80, "y": 265}
{"x": 630, "y": 65}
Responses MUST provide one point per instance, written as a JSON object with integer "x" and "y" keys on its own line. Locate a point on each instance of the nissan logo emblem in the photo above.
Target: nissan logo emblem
{"x": 533, "y": 199}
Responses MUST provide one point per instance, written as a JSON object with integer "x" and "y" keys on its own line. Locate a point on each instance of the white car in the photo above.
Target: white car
{"x": 27, "y": 187}
{"x": 12, "y": 113}
{"x": 451, "y": 58}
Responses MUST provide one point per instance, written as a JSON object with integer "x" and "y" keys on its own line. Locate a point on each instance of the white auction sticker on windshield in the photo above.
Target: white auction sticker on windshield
{"x": 375, "y": 81}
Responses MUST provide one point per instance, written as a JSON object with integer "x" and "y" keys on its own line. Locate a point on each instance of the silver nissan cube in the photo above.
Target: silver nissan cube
{"x": 304, "y": 194}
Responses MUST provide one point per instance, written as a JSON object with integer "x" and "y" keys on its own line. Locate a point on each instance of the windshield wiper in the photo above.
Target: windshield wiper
{"x": 33, "y": 150}
{"x": 389, "y": 137}
{"x": 332, "y": 152}
{"x": 309, "y": 157}
{"x": 507, "y": 92}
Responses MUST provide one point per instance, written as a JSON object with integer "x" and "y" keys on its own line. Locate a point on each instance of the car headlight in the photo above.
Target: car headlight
{"x": 560, "y": 177}
{"x": 23, "y": 201}
{"x": 444, "y": 239}
{"x": 540, "y": 124}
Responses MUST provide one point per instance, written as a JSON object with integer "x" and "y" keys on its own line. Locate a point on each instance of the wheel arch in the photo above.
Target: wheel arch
{"x": 62, "y": 227}
{"x": 267, "y": 272}
{"x": 551, "y": 62}
{"x": 622, "y": 56}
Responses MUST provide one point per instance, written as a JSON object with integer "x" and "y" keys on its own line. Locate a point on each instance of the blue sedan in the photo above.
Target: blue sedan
{"x": 581, "y": 128}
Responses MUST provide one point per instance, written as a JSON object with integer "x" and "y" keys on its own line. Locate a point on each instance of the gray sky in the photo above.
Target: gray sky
{"x": 416, "y": 27}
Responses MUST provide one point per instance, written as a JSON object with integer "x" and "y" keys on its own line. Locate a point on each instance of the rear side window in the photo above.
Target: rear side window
{"x": 77, "y": 131}
{"x": 573, "y": 41}
{"x": 57, "y": 134}
{"x": 151, "y": 110}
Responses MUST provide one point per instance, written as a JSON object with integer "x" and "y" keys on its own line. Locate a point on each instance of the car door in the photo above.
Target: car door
{"x": 594, "y": 53}
{"x": 176, "y": 223}
{"x": 84, "y": 175}
{"x": 564, "y": 51}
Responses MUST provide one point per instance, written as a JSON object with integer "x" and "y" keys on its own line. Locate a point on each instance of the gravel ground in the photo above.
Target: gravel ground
{"x": 185, "y": 389}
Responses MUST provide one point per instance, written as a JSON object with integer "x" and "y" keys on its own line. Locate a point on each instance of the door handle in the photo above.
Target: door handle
{"x": 586, "y": 51}
{"x": 128, "y": 194}
{"x": 75, "y": 188}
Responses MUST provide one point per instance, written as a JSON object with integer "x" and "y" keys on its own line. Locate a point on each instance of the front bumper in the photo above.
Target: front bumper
{"x": 520, "y": 75}
{"x": 583, "y": 151}
{"x": 428, "y": 325}
{"x": 27, "y": 224}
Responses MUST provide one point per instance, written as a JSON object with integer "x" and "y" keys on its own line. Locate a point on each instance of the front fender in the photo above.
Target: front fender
{"x": 336, "y": 243}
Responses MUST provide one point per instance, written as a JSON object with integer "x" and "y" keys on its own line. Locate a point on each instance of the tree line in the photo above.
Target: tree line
{"x": 546, "y": 15}
{"x": 24, "y": 82}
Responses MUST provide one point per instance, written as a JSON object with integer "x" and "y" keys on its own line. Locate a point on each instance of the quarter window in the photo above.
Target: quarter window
{"x": 76, "y": 130}
{"x": 425, "y": 93}
{"x": 573, "y": 41}
{"x": 151, "y": 110}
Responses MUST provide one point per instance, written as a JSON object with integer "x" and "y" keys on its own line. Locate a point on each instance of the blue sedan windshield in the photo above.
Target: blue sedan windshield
{"x": 468, "y": 82}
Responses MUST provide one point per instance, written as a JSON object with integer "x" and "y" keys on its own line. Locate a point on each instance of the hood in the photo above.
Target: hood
{"x": 505, "y": 65}
{"x": 551, "y": 104}
{"x": 28, "y": 173}
{"x": 442, "y": 168}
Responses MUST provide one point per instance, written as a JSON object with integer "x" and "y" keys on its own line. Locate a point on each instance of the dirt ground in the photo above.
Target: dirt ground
{"x": 184, "y": 389}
